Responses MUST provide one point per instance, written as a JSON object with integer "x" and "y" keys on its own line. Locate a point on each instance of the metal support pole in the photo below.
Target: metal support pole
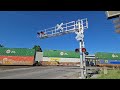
{"x": 82, "y": 55}
{"x": 84, "y": 63}
{"x": 81, "y": 60}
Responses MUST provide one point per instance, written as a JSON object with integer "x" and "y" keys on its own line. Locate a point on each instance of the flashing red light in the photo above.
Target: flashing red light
{"x": 42, "y": 32}
{"x": 83, "y": 49}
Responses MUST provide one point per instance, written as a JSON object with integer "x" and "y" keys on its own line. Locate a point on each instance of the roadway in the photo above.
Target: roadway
{"x": 41, "y": 72}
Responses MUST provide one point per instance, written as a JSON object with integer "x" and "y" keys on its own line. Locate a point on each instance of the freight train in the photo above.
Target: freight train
{"x": 25, "y": 56}
{"x": 108, "y": 59}
{"x": 19, "y": 56}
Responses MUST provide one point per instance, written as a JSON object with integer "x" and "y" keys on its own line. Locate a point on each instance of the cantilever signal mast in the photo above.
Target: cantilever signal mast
{"x": 76, "y": 27}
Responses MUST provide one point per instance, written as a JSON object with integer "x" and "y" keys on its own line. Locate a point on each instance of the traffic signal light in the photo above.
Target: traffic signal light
{"x": 83, "y": 49}
{"x": 42, "y": 32}
{"x": 77, "y": 50}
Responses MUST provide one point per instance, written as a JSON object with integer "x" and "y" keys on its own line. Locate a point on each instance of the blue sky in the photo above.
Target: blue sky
{"x": 18, "y": 30}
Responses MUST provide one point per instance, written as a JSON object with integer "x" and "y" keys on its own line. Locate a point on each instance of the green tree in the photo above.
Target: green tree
{"x": 34, "y": 47}
{"x": 37, "y": 48}
{"x": 1, "y": 45}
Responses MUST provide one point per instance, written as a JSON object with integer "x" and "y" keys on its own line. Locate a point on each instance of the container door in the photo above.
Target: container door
{"x": 39, "y": 56}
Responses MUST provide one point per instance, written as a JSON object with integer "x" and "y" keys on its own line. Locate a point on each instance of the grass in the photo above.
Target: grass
{"x": 112, "y": 74}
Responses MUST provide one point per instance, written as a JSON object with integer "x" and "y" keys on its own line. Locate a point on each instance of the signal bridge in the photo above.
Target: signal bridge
{"x": 76, "y": 27}
{"x": 64, "y": 28}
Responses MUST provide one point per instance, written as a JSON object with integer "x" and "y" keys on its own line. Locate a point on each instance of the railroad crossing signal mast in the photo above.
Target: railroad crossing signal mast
{"x": 76, "y": 27}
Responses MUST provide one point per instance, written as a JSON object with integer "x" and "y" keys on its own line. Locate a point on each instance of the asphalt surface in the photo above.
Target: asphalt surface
{"x": 41, "y": 72}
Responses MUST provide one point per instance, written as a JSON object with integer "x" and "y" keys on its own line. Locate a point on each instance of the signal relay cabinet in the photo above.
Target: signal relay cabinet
{"x": 38, "y": 58}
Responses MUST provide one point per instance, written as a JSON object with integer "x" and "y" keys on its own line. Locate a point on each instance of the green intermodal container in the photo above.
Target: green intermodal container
{"x": 108, "y": 56}
{"x": 17, "y": 52}
{"x": 61, "y": 54}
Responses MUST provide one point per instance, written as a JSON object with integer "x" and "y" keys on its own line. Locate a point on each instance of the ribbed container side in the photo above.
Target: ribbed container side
{"x": 60, "y": 53}
{"x": 108, "y": 56}
{"x": 16, "y": 60}
{"x": 16, "y": 52}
